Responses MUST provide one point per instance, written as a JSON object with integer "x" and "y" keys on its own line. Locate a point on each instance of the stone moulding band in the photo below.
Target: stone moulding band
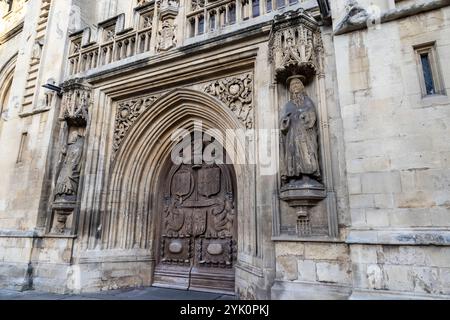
{"x": 392, "y": 15}
{"x": 400, "y": 237}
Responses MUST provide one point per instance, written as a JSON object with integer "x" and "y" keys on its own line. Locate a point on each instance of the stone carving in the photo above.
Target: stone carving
{"x": 67, "y": 184}
{"x": 75, "y": 104}
{"x": 166, "y": 36}
{"x": 69, "y": 175}
{"x": 74, "y": 115}
{"x": 237, "y": 94}
{"x": 293, "y": 43}
{"x": 127, "y": 113}
{"x": 356, "y": 15}
{"x": 142, "y": 2}
{"x": 296, "y": 54}
{"x": 299, "y": 130}
{"x": 36, "y": 53}
{"x": 300, "y": 168}
{"x": 197, "y": 4}
{"x": 148, "y": 22}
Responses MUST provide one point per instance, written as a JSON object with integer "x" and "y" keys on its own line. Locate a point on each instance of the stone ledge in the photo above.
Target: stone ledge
{"x": 363, "y": 294}
{"x": 114, "y": 256}
{"x": 6, "y": 36}
{"x": 323, "y": 239}
{"x": 32, "y": 234}
{"x": 243, "y": 266}
{"x": 400, "y": 237}
{"x": 33, "y": 112}
{"x": 391, "y": 15}
{"x": 282, "y": 290}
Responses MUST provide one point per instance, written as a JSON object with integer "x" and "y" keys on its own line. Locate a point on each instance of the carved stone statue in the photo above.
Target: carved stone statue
{"x": 300, "y": 150}
{"x": 167, "y": 36}
{"x": 300, "y": 170}
{"x": 68, "y": 179}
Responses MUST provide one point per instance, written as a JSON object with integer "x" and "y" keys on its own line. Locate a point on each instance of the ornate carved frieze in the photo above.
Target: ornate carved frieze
{"x": 293, "y": 46}
{"x": 237, "y": 94}
{"x": 127, "y": 113}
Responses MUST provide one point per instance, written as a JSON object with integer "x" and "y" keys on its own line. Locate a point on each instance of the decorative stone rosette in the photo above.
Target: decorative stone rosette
{"x": 237, "y": 94}
{"x": 127, "y": 113}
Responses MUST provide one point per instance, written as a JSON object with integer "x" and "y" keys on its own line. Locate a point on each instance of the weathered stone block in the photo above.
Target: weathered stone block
{"x": 287, "y": 268}
{"x": 326, "y": 251}
{"x": 307, "y": 270}
{"x": 381, "y": 182}
{"x": 290, "y": 249}
{"x": 333, "y": 272}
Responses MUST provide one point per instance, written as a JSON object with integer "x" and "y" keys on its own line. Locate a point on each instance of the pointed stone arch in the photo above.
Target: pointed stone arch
{"x": 131, "y": 208}
{"x": 6, "y": 80}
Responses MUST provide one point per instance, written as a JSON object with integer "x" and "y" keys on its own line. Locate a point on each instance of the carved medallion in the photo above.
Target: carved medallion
{"x": 127, "y": 113}
{"x": 237, "y": 94}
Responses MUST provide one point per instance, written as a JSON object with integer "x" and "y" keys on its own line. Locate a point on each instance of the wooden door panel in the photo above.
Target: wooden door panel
{"x": 197, "y": 241}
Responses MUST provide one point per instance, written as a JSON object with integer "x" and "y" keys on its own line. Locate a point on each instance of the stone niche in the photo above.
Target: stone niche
{"x": 307, "y": 201}
{"x": 67, "y": 181}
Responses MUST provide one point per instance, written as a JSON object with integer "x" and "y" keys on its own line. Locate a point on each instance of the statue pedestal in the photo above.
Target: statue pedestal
{"x": 61, "y": 212}
{"x": 302, "y": 195}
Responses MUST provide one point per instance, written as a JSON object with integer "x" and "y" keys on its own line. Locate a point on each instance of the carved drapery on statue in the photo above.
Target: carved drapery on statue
{"x": 74, "y": 119}
{"x": 298, "y": 125}
{"x": 69, "y": 175}
{"x": 296, "y": 56}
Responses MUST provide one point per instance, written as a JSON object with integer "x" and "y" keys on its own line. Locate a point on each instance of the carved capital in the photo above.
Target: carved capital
{"x": 237, "y": 94}
{"x": 75, "y": 103}
{"x": 295, "y": 46}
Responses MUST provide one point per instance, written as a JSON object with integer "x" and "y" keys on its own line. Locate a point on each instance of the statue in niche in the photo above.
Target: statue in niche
{"x": 69, "y": 176}
{"x": 299, "y": 136}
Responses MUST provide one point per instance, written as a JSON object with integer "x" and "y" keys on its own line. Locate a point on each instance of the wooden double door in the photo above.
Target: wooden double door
{"x": 197, "y": 229}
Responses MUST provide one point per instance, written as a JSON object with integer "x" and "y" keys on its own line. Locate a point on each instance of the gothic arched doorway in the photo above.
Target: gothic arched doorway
{"x": 196, "y": 235}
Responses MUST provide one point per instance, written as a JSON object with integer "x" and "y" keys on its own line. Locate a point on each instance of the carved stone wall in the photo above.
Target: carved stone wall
{"x": 237, "y": 94}
{"x": 127, "y": 113}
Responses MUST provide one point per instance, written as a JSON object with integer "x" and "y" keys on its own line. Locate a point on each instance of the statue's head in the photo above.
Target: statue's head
{"x": 296, "y": 86}
{"x": 73, "y": 137}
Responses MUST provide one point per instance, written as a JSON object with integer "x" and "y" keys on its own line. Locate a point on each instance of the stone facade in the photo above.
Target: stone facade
{"x": 92, "y": 92}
